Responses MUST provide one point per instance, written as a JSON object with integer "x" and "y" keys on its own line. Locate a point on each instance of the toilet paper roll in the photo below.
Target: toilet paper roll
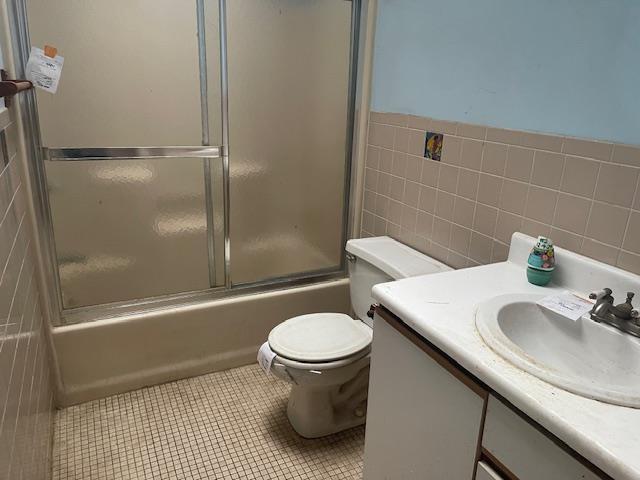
{"x": 265, "y": 357}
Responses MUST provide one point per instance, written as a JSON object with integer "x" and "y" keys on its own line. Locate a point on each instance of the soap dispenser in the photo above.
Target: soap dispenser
{"x": 541, "y": 262}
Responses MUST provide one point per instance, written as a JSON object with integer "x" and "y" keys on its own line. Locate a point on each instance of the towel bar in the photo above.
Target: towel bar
{"x": 8, "y": 87}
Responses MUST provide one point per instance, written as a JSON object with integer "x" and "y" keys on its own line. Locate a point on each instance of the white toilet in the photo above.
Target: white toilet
{"x": 325, "y": 356}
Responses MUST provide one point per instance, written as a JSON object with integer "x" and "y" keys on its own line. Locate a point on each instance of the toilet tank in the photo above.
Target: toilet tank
{"x": 382, "y": 259}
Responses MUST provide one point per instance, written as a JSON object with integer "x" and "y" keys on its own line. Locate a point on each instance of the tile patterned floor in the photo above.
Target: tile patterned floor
{"x": 226, "y": 425}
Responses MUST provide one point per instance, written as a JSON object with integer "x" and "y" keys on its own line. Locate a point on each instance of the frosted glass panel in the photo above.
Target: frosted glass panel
{"x": 288, "y": 97}
{"x": 130, "y": 75}
{"x": 127, "y": 229}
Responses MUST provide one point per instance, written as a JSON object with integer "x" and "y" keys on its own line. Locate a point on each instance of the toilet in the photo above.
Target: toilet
{"x": 325, "y": 356}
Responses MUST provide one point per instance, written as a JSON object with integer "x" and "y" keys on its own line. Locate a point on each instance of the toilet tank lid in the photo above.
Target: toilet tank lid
{"x": 394, "y": 258}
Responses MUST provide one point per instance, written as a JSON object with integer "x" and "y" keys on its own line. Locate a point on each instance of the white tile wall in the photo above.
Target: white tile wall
{"x": 26, "y": 401}
{"x": 491, "y": 182}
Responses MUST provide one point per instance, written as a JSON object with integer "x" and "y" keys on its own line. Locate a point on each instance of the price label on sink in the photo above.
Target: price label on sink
{"x": 566, "y": 304}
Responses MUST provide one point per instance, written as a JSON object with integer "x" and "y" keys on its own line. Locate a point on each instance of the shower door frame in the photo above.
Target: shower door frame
{"x": 46, "y": 251}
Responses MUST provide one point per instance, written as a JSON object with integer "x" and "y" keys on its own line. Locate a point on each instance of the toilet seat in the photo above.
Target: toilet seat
{"x": 320, "y": 338}
{"x": 321, "y": 366}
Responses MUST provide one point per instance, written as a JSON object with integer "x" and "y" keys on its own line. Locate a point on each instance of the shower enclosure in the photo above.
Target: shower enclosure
{"x": 195, "y": 149}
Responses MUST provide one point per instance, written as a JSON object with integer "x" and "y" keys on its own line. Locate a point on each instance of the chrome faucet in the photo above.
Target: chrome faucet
{"x": 622, "y": 316}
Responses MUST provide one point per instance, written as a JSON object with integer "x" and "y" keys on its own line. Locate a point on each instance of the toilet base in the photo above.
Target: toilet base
{"x": 319, "y": 411}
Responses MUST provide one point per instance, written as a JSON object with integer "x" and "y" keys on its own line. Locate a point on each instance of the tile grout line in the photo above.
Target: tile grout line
{"x": 630, "y": 214}
{"x": 563, "y": 138}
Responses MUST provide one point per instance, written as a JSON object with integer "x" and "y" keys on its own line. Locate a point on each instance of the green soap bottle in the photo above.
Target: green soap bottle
{"x": 541, "y": 262}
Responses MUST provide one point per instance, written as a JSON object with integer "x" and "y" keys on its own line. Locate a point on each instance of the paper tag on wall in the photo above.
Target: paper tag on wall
{"x": 567, "y": 304}
{"x": 43, "y": 71}
{"x": 265, "y": 357}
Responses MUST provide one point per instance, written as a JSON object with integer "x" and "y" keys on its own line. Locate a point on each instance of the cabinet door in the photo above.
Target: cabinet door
{"x": 423, "y": 421}
{"x": 525, "y": 451}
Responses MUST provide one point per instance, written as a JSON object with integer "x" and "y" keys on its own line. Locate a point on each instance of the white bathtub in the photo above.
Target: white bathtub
{"x": 106, "y": 357}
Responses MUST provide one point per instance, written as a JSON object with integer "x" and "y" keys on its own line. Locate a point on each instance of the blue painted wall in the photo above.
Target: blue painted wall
{"x": 562, "y": 66}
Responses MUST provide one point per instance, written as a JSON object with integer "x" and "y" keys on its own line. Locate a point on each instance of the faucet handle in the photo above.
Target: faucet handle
{"x": 605, "y": 292}
{"x": 635, "y": 314}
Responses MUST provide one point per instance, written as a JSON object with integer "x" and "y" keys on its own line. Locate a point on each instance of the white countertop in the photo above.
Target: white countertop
{"x": 442, "y": 309}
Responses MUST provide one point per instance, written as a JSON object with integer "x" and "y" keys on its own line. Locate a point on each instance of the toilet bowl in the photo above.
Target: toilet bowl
{"x": 325, "y": 356}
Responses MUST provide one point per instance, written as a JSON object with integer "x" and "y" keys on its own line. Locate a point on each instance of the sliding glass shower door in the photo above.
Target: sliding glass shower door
{"x": 289, "y": 66}
{"x": 130, "y": 228}
{"x": 194, "y": 147}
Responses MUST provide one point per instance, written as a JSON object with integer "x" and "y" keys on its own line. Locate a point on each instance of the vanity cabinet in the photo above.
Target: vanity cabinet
{"x": 423, "y": 420}
{"x": 429, "y": 419}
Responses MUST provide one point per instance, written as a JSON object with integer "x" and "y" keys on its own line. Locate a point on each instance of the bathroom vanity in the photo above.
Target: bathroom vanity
{"x": 443, "y": 404}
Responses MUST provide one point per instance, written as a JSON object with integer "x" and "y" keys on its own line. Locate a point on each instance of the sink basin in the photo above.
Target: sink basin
{"x": 583, "y": 357}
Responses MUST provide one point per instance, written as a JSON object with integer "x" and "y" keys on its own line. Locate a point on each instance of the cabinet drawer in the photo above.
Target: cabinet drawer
{"x": 525, "y": 451}
{"x": 485, "y": 472}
